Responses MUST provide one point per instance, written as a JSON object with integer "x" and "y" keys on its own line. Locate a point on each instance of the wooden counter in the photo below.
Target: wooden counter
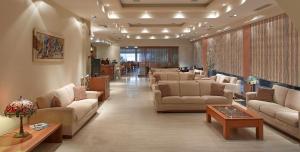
{"x": 108, "y": 70}
{"x": 100, "y": 83}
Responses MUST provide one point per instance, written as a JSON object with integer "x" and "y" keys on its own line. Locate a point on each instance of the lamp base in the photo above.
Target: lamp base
{"x": 21, "y": 135}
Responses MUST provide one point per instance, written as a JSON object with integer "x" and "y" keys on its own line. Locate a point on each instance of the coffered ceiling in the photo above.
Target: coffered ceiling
{"x": 164, "y": 19}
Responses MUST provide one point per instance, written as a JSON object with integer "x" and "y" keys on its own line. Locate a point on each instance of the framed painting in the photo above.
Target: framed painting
{"x": 47, "y": 47}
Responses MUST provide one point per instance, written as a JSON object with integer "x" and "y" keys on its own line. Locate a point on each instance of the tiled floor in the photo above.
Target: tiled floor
{"x": 128, "y": 123}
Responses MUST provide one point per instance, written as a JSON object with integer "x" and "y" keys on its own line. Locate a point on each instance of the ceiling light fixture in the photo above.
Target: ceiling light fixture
{"x": 224, "y": 4}
{"x": 146, "y": 15}
{"x": 112, "y": 15}
{"x": 177, "y": 35}
{"x": 186, "y": 30}
{"x": 193, "y": 28}
{"x": 165, "y": 30}
{"x": 138, "y": 37}
{"x": 199, "y": 24}
{"x": 243, "y": 1}
{"x": 124, "y": 30}
{"x": 145, "y": 30}
{"x": 213, "y": 14}
{"x": 166, "y": 37}
{"x": 228, "y": 8}
{"x": 179, "y": 15}
{"x": 152, "y": 37}
{"x": 128, "y": 36}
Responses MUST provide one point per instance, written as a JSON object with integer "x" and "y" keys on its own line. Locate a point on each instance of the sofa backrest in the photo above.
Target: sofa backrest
{"x": 186, "y": 76}
{"x": 280, "y": 94}
{"x": 65, "y": 94}
{"x": 173, "y": 87}
{"x": 293, "y": 99}
{"x": 172, "y": 76}
{"x": 189, "y": 88}
{"x": 205, "y": 87}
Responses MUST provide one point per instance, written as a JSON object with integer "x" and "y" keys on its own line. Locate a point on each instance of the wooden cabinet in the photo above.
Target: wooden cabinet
{"x": 100, "y": 83}
{"x": 108, "y": 70}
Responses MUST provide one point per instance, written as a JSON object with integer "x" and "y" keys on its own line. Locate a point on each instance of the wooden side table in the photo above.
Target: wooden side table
{"x": 51, "y": 134}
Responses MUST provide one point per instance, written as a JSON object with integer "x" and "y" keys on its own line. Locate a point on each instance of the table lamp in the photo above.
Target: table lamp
{"x": 20, "y": 108}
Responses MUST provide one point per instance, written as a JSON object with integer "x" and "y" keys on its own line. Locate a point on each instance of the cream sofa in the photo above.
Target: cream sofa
{"x": 170, "y": 76}
{"x": 234, "y": 84}
{"x": 153, "y": 70}
{"x": 72, "y": 114}
{"x": 283, "y": 113}
{"x": 188, "y": 96}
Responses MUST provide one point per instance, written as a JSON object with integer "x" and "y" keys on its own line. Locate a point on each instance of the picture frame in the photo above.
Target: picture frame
{"x": 47, "y": 47}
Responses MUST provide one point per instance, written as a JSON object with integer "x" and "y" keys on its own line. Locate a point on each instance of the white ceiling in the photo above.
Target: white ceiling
{"x": 213, "y": 16}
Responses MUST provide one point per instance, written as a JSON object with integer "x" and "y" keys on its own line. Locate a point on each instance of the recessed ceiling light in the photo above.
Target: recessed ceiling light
{"x": 199, "y": 24}
{"x": 193, "y": 28}
{"x": 124, "y": 30}
{"x": 186, "y": 30}
{"x": 97, "y": 40}
{"x": 107, "y": 5}
{"x": 165, "y": 30}
{"x": 166, "y": 37}
{"x": 213, "y": 14}
{"x": 234, "y": 15}
{"x": 112, "y": 15}
{"x": 128, "y": 36}
{"x": 145, "y": 30}
{"x": 152, "y": 37}
{"x": 136, "y": 47}
{"x": 177, "y": 35}
{"x": 243, "y": 1}
{"x": 138, "y": 37}
{"x": 146, "y": 15}
{"x": 224, "y": 4}
{"x": 228, "y": 9}
{"x": 179, "y": 14}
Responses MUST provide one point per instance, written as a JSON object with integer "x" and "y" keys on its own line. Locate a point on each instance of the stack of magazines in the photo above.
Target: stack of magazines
{"x": 39, "y": 126}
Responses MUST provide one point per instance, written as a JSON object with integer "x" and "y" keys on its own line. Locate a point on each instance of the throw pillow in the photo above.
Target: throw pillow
{"x": 217, "y": 89}
{"x": 165, "y": 90}
{"x": 157, "y": 77}
{"x": 79, "y": 93}
{"x": 226, "y": 81}
{"x": 265, "y": 94}
{"x": 55, "y": 102}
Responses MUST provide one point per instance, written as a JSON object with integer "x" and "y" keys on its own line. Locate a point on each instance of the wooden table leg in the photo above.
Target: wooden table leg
{"x": 55, "y": 137}
{"x": 208, "y": 117}
{"x": 260, "y": 131}
{"x": 226, "y": 131}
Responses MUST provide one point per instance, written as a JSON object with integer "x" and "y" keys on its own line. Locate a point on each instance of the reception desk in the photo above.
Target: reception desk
{"x": 108, "y": 69}
{"x": 100, "y": 83}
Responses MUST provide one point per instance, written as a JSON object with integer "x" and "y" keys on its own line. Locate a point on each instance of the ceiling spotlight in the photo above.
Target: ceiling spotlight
{"x": 138, "y": 37}
{"x": 224, "y": 4}
{"x": 165, "y": 30}
{"x": 145, "y": 31}
{"x": 124, "y": 30}
{"x": 186, "y": 30}
{"x": 179, "y": 14}
{"x": 152, "y": 37}
{"x": 128, "y": 36}
{"x": 91, "y": 38}
{"x": 166, "y": 37}
{"x": 177, "y": 36}
{"x": 97, "y": 40}
{"x": 213, "y": 14}
{"x": 107, "y": 5}
{"x": 234, "y": 15}
{"x": 136, "y": 47}
{"x": 199, "y": 24}
{"x": 112, "y": 15}
{"x": 243, "y": 1}
{"x": 193, "y": 28}
{"x": 228, "y": 8}
{"x": 146, "y": 15}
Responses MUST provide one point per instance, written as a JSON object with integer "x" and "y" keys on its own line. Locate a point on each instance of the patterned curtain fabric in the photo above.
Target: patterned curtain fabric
{"x": 275, "y": 50}
{"x": 225, "y": 52}
{"x": 198, "y": 53}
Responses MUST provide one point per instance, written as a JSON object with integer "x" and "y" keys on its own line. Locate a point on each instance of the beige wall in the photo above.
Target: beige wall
{"x": 185, "y": 47}
{"x": 19, "y": 75}
{"x": 108, "y": 51}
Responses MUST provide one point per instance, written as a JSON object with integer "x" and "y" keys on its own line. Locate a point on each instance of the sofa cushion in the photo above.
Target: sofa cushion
{"x": 186, "y": 76}
{"x": 280, "y": 94}
{"x": 256, "y": 104}
{"x": 65, "y": 94}
{"x": 265, "y": 94}
{"x": 205, "y": 87}
{"x": 293, "y": 99}
{"x": 214, "y": 100}
{"x": 173, "y": 76}
{"x": 189, "y": 88}
{"x": 45, "y": 101}
{"x": 171, "y": 100}
{"x": 271, "y": 109}
{"x": 82, "y": 107}
{"x": 192, "y": 99}
{"x": 290, "y": 117}
{"x": 217, "y": 89}
{"x": 79, "y": 93}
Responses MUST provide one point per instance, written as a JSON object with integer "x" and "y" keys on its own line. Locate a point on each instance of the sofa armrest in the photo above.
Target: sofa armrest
{"x": 63, "y": 115}
{"x": 93, "y": 94}
{"x": 157, "y": 97}
{"x": 250, "y": 96}
{"x": 229, "y": 95}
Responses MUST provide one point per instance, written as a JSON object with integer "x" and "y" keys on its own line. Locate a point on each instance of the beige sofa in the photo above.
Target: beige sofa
{"x": 153, "y": 70}
{"x": 72, "y": 114}
{"x": 283, "y": 113}
{"x": 233, "y": 83}
{"x": 170, "y": 76}
{"x": 188, "y": 96}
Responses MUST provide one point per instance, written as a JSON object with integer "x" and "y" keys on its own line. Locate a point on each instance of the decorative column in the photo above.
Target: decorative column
{"x": 247, "y": 55}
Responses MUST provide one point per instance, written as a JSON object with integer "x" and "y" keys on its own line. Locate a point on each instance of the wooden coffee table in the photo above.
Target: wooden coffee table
{"x": 233, "y": 116}
{"x": 51, "y": 134}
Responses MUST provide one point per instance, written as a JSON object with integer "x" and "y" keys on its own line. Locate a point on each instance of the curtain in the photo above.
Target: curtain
{"x": 225, "y": 52}
{"x": 198, "y": 53}
{"x": 275, "y": 50}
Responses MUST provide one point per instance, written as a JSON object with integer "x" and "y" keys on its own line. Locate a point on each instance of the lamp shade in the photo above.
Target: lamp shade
{"x": 20, "y": 108}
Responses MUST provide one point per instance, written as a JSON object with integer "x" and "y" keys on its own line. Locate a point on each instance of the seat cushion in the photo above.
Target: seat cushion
{"x": 189, "y": 88}
{"x": 290, "y": 117}
{"x": 214, "y": 100}
{"x": 82, "y": 107}
{"x": 292, "y": 99}
{"x": 280, "y": 94}
{"x": 271, "y": 109}
{"x": 192, "y": 99}
{"x": 171, "y": 100}
{"x": 256, "y": 104}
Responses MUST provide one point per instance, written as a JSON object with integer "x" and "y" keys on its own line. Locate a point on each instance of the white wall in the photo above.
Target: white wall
{"x": 19, "y": 75}
{"x": 108, "y": 51}
{"x": 185, "y": 47}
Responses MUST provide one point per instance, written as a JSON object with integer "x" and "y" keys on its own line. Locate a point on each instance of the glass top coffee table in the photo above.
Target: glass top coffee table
{"x": 232, "y": 116}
